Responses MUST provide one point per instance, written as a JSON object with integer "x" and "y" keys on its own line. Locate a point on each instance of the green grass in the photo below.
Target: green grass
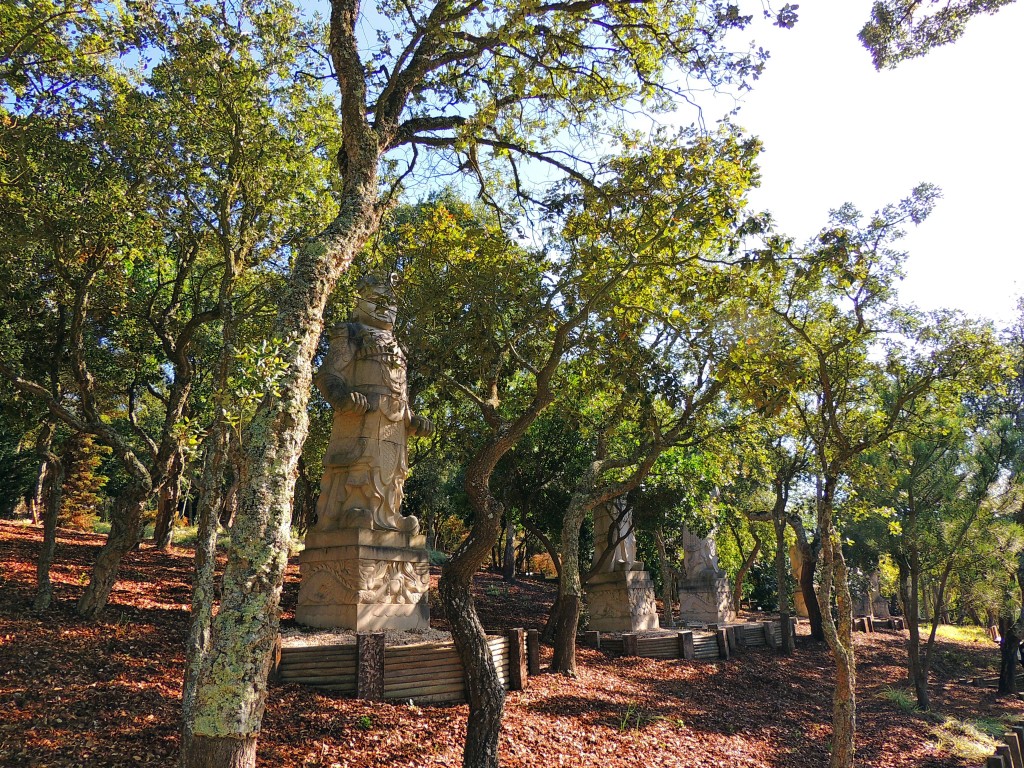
{"x": 901, "y": 697}
{"x": 970, "y": 740}
{"x": 964, "y": 634}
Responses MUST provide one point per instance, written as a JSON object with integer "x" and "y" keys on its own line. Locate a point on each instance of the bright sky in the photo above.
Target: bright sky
{"x": 836, "y": 130}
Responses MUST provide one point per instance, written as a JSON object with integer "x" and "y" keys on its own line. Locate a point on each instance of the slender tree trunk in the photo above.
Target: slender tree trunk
{"x": 508, "y": 565}
{"x": 570, "y": 590}
{"x": 835, "y": 581}
{"x": 167, "y": 504}
{"x": 908, "y": 586}
{"x": 667, "y": 580}
{"x": 54, "y": 474}
{"x": 125, "y": 533}
{"x": 782, "y": 584}
{"x": 211, "y": 498}
{"x": 741, "y": 576}
{"x": 36, "y": 500}
{"x": 808, "y": 565}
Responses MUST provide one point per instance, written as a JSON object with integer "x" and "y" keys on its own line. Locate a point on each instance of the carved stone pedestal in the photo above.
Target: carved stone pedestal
{"x": 622, "y": 601}
{"x": 706, "y": 601}
{"x": 362, "y": 579}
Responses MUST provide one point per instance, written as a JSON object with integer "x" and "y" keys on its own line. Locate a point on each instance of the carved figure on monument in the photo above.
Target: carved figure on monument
{"x": 613, "y": 526}
{"x": 363, "y": 377}
{"x": 365, "y": 566}
{"x": 700, "y": 557}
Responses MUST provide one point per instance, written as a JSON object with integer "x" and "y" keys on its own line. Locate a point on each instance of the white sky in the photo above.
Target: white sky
{"x": 836, "y": 130}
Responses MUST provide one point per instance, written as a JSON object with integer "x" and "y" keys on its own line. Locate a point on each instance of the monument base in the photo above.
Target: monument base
{"x": 364, "y": 580}
{"x": 706, "y": 602}
{"x": 622, "y": 601}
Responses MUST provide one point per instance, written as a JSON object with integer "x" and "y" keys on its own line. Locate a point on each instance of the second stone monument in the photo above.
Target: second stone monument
{"x": 365, "y": 566}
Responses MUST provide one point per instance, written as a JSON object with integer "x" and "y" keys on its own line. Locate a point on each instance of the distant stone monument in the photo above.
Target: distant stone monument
{"x": 797, "y": 563}
{"x": 620, "y": 593}
{"x": 365, "y": 566}
{"x": 872, "y": 603}
{"x": 704, "y": 595}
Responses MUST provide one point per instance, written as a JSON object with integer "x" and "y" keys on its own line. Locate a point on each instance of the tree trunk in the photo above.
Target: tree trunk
{"x": 211, "y": 498}
{"x": 36, "y": 500}
{"x": 1009, "y": 662}
{"x": 570, "y": 590}
{"x": 835, "y": 581}
{"x": 125, "y": 533}
{"x": 807, "y": 567}
{"x": 547, "y": 634}
{"x": 782, "y": 584}
{"x": 54, "y": 474}
{"x": 916, "y": 674}
{"x": 508, "y": 565}
{"x": 667, "y": 580}
{"x": 748, "y": 561}
{"x": 167, "y": 504}
{"x": 231, "y": 690}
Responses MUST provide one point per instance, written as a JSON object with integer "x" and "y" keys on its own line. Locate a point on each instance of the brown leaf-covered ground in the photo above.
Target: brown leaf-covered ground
{"x": 105, "y": 693}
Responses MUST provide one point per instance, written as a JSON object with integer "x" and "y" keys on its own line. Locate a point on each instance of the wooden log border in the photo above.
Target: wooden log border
{"x": 424, "y": 673}
{"x": 1009, "y": 753}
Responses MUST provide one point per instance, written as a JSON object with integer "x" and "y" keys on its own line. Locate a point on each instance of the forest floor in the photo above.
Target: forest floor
{"x": 106, "y": 693}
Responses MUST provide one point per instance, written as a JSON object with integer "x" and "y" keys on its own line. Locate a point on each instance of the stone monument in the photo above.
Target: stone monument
{"x": 365, "y": 566}
{"x": 704, "y": 595}
{"x": 797, "y": 563}
{"x": 620, "y": 593}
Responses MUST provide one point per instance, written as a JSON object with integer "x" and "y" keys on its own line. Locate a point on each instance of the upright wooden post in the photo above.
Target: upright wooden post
{"x": 686, "y": 644}
{"x": 533, "y": 651}
{"x": 592, "y": 638}
{"x": 1004, "y": 752}
{"x": 275, "y": 663}
{"x": 629, "y": 644}
{"x": 370, "y": 665}
{"x": 769, "y": 635}
{"x": 723, "y": 643}
{"x": 735, "y": 636}
{"x": 1013, "y": 742}
{"x": 516, "y": 659}
{"x": 995, "y": 761}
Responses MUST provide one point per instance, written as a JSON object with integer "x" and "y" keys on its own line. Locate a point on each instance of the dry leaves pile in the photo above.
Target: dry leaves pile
{"x": 105, "y": 693}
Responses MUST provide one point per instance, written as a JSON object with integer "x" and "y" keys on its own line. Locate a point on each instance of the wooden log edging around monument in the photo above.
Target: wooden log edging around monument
{"x": 716, "y": 642}
{"x": 1009, "y": 754}
{"x": 425, "y": 673}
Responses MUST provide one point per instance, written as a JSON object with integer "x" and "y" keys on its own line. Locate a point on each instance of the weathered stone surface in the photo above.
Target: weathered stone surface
{"x": 622, "y": 601}
{"x": 708, "y": 602}
{"x": 613, "y": 529}
{"x": 364, "y": 566}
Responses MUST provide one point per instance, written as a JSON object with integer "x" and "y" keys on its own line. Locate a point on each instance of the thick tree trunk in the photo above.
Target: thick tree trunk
{"x": 125, "y": 533}
{"x": 230, "y": 695}
{"x": 547, "y": 635}
{"x": 667, "y": 580}
{"x": 54, "y": 474}
{"x": 782, "y": 584}
{"x": 1009, "y": 663}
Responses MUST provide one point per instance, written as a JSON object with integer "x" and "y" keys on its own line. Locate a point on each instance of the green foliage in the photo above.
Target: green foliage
{"x": 83, "y": 498}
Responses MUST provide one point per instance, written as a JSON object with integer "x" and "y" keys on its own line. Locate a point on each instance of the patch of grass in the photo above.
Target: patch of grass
{"x": 967, "y": 739}
{"x": 964, "y": 634}
{"x": 101, "y": 526}
{"x": 364, "y": 723}
{"x": 902, "y": 698}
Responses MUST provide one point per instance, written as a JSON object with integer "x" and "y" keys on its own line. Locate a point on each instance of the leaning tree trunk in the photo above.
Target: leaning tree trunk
{"x": 167, "y": 504}
{"x": 808, "y": 565}
{"x": 741, "y": 576}
{"x": 231, "y": 691}
{"x": 484, "y": 691}
{"x": 54, "y": 474}
{"x": 125, "y": 533}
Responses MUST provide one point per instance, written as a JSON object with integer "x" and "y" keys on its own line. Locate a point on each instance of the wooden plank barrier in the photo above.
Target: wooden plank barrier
{"x": 1009, "y": 754}
{"x": 425, "y": 672}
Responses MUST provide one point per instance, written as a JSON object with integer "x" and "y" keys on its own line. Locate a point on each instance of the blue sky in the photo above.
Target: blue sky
{"x": 836, "y": 130}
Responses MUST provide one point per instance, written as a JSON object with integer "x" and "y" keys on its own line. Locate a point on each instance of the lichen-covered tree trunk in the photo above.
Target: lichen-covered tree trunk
{"x": 211, "y": 499}
{"x": 570, "y": 586}
{"x": 231, "y": 692}
{"x": 125, "y": 533}
{"x": 54, "y": 474}
{"x": 838, "y": 634}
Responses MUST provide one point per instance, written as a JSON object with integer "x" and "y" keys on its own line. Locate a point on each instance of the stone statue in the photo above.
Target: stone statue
{"x": 363, "y": 377}
{"x": 700, "y": 557}
{"x": 614, "y": 520}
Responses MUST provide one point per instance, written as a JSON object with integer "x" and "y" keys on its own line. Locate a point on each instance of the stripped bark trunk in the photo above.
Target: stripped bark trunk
{"x": 54, "y": 481}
